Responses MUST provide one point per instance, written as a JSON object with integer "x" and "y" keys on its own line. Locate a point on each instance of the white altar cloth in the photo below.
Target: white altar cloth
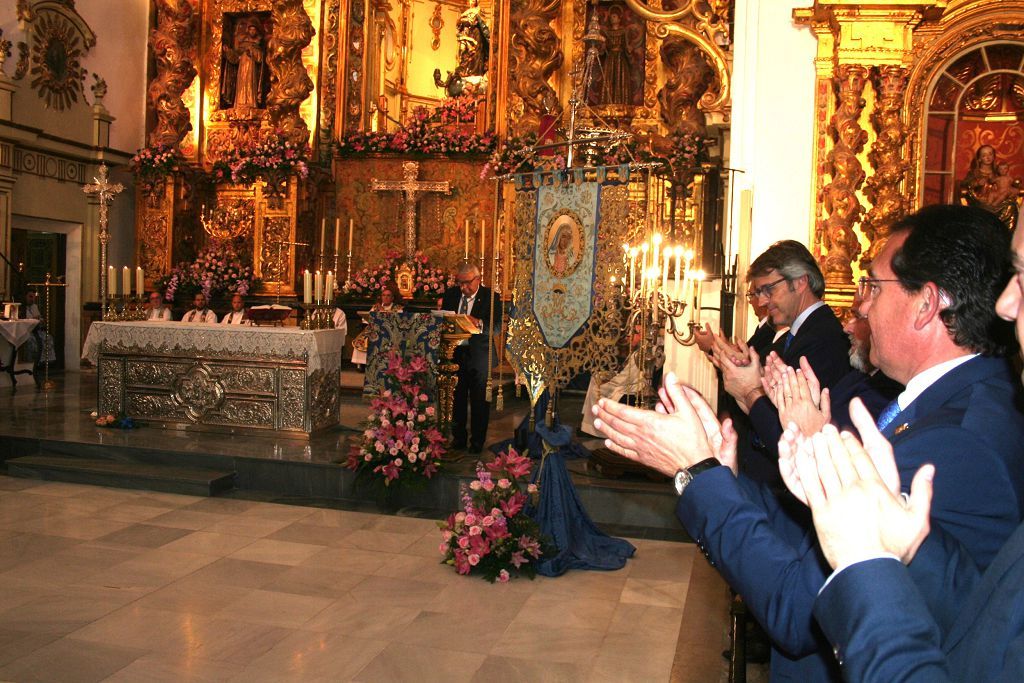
{"x": 320, "y": 348}
{"x": 17, "y": 332}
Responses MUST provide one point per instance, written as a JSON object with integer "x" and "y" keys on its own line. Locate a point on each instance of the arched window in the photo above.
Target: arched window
{"x": 977, "y": 100}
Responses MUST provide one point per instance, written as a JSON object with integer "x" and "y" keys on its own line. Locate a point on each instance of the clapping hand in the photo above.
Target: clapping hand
{"x": 853, "y": 491}
{"x": 664, "y": 441}
{"x": 722, "y": 436}
{"x": 798, "y": 397}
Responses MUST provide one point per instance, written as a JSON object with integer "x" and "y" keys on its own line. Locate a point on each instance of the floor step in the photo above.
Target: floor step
{"x": 166, "y": 478}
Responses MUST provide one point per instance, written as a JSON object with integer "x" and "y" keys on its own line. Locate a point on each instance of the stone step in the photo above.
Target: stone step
{"x": 102, "y": 472}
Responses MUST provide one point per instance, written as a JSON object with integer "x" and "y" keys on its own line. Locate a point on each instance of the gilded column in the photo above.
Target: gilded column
{"x": 172, "y": 42}
{"x": 883, "y": 189}
{"x": 840, "y": 195}
{"x": 534, "y": 54}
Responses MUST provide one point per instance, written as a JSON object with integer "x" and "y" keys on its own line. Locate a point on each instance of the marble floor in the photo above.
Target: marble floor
{"x": 103, "y": 584}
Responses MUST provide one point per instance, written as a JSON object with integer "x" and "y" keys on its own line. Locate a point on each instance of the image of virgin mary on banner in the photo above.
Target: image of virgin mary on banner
{"x": 563, "y": 258}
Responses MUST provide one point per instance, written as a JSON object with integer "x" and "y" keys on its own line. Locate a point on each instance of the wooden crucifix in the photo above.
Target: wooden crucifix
{"x": 412, "y": 189}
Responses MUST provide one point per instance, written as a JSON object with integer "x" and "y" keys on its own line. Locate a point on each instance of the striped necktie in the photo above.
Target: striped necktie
{"x": 463, "y": 305}
{"x": 888, "y": 415}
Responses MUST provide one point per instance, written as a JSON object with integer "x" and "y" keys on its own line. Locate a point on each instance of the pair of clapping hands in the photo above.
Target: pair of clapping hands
{"x": 739, "y": 363}
{"x": 852, "y": 488}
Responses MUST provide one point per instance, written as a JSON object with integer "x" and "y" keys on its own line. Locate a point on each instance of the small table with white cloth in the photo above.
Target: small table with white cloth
{"x": 14, "y": 333}
{"x": 282, "y": 379}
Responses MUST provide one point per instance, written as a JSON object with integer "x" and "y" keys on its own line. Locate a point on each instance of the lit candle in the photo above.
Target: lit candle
{"x": 467, "y": 240}
{"x": 644, "y": 248}
{"x": 111, "y": 281}
{"x": 329, "y": 286}
{"x": 140, "y": 281}
{"x": 632, "y": 269}
{"x": 318, "y": 286}
{"x": 483, "y": 233}
{"x": 337, "y": 235}
{"x": 699, "y": 279}
{"x": 126, "y": 281}
{"x": 664, "y": 270}
{"x": 655, "y": 262}
{"x": 351, "y": 223}
{"x": 323, "y": 233}
{"x": 679, "y": 257}
{"x": 307, "y": 287}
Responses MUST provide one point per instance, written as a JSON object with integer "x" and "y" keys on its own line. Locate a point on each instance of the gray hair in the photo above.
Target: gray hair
{"x": 791, "y": 260}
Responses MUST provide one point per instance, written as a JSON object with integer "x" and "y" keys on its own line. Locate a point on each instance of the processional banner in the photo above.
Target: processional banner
{"x": 567, "y": 313}
{"x": 408, "y": 333}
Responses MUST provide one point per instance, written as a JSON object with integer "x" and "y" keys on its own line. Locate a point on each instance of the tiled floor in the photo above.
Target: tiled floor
{"x": 120, "y": 585}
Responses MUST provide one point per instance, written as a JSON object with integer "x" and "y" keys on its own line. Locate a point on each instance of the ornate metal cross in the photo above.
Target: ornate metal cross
{"x": 412, "y": 189}
{"x": 105, "y": 192}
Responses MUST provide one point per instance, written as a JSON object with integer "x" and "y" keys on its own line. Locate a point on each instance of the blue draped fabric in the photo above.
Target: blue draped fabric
{"x": 559, "y": 512}
{"x": 407, "y": 332}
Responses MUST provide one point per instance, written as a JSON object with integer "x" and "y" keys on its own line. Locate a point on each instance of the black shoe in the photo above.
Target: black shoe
{"x": 458, "y": 445}
{"x": 476, "y": 450}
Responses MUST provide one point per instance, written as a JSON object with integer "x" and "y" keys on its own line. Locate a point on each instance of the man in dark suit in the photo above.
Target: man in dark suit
{"x": 975, "y": 631}
{"x": 474, "y": 357}
{"x": 930, "y": 305}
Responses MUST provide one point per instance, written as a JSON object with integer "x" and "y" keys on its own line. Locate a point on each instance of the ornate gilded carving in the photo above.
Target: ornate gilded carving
{"x": 155, "y": 374}
{"x": 688, "y": 78}
{"x": 198, "y": 391}
{"x": 59, "y": 44}
{"x": 173, "y": 45}
{"x": 153, "y": 406}
{"x": 354, "y": 65}
{"x": 292, "y": 398}
{"x": 238, "y": 134}
{"x": 111, "y": 380}
{"x": 840, "y": 195}
{"x": 251, "y": 380}
{"x": 324, "y": 394}
{"x": 534, "y": 55}
{"x": 328, "y": 84}
{"x": 153, "y": 245}
{"x": 436, "y": 24}
{"x": 272, "y": 268}
{"x": 247, "y": 413}
{"x": 290, "y": 85}
{"x": 888, "y": 202}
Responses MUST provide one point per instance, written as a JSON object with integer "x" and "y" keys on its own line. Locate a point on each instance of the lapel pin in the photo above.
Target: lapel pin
{"x": 902, "y": 428}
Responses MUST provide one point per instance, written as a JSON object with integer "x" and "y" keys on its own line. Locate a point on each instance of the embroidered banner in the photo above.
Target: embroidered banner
{"x": 411, "y": 334}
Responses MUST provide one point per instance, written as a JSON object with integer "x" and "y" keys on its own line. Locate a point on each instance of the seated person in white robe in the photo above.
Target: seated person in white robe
{"x": 199, "y": 313}
{"x": 157, "y": 309}
{"x": 388, "y": 303}
{"x": 237, "y": 315}
{"x": 629, "y": 380}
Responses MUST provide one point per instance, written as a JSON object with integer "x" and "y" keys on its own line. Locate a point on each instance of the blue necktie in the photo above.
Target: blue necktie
{"x": 888, "y": 415}
{"x": 786, "y": 341}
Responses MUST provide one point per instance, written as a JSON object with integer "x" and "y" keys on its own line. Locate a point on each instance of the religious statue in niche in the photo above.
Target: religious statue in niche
{"x": 621, "y": 78}
{"x": 474, "y": 38}
{"x": 989, "y": 185}
{"x": 244, "y": 77}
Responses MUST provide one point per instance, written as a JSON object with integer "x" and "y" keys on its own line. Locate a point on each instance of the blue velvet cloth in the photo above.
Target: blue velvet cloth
{"x": 559, "y": 512}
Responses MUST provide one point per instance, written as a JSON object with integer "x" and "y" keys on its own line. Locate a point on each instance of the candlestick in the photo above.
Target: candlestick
{"x": 632, "y": 269}
{"x": 140, "y": 281}
{"x": 664, "y": 270}
{"x": 644, "y": 249}
{"x": 679, "y": 257}
{"x": 111, "y": 281}
{"x": 483, "y": 234}
{"x": 351, "y": 223}
{"x": 307, "y": 287}
{"x": 466, "y": 256}
{"x": 699, "y": 279}
{"x": 655, "y": 262}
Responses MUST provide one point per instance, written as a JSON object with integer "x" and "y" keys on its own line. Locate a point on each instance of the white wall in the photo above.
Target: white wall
{"x": 772, "y": 123}
{"x": 119, "y": 57}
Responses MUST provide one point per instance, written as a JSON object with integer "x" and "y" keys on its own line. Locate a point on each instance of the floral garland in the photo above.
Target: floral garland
{"x": 423, "y": 135}
{"x": 683, "y": 153}
{"x": 427, "y": 280}
{"x": 152, "y": 165}
{"x": 492, "y": 535}
{"x": 272, "y": 160}
{"x": 401, "y": 442}
{"x": 216, "y": 271}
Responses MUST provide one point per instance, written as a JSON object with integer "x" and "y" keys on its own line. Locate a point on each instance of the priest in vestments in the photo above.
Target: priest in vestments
{"x": 199, "y": 313}
{"x": 236, "y": 316}
{"x": 471, "y": 298}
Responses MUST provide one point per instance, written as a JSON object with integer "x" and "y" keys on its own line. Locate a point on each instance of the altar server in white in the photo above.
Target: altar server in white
{"x": 157, "y": 310}
{"x": 199, "y": 313}
{"x": 236, "y": 316}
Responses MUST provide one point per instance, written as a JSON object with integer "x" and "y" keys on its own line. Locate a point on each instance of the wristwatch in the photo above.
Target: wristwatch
{"x": 684, "y": 477}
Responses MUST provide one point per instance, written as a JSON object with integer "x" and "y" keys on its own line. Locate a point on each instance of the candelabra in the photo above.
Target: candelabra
{"x": 654, "y": 304}
{"x": 317, "y": 316}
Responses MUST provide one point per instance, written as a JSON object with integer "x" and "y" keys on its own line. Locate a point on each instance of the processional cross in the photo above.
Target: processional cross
{"x": 105, "y": 192}
{"x": 412, "y": 189}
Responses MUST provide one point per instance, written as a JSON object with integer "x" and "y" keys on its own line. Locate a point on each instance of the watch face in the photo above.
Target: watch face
{"x": 681, "y": 480}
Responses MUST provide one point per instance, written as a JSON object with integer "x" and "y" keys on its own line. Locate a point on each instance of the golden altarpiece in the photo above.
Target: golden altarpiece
{"x": 908, "y": 92}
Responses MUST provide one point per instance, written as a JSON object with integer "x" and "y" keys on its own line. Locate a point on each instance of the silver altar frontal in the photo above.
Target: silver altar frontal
{"x": 281, "y": 379}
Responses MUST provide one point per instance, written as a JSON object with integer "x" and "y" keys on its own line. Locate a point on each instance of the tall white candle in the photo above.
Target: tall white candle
{"x": 632, "y": 270}
{"x": 140, "y": 281}
{"x": 337, "y": 235}
{"x": 329, "y": 286}
{"x": 664, "y": 270}
{"x": 655, "y": 262}
{"x": 644, "y": 249}
{"x": 483, "y": 235}
{"x": 318, "y": 286}
{"x": 351, "y": 223}
{"x": 679, "y": 257}
{"x": 307, "y": 287}
{"x": 111, "y": 281}
{"x": 467, "y": 240}
{"x": 323, "y": 233}
{"x": 126, "y": 281}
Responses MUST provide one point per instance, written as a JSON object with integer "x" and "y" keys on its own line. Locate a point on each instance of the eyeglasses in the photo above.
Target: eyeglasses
{"x": 467, "y": 282}
{"x": 867, "y": 287}
{"x": 766, "y": 290}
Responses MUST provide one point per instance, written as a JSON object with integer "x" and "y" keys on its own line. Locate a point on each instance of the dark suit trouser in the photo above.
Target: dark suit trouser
{"x": 470, "y": 397}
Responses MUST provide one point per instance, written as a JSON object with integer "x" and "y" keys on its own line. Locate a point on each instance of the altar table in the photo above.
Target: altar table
{"x": 283, "y": 379}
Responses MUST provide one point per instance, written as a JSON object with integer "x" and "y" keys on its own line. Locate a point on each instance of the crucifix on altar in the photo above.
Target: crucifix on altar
{"x": 105, "y": 192}
{"x": 412, "y": 189}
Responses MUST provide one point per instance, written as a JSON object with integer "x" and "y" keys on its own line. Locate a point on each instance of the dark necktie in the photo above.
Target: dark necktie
{"x": 786, "y": 341}
{"x": 888, "y": 415}
{"x": 463, "y": 305}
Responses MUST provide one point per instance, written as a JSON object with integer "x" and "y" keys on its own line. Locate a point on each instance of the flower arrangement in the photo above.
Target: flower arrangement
{"x": 434, "y": 131}
{"x": 492, "y": 535}
{"x": 427, "y": 281}
{"x": 216, "y": 271}
{"x": 151, "y": 165}
{"x": 272, "y": 160}
{"x": 111, "y": 421}
{"x": 401, "y": 441}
